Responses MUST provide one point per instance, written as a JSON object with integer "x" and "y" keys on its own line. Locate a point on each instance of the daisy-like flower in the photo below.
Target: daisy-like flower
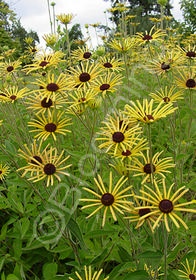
{"x": 52, "y": 86}
{"x": 165, "y": 63}
{"x": 114, "y": 199}
{"x": 83, "y": 76}
{"x": 141, "y": 39}
{"x": 165, "y": 205}
{"x": 117, "y": 135}
{"x": 81, "y": 54}
{"x": 12, "y": 94}
{"x": 75, "y": 110}
{"x": 121, "y": 167}
{"x": 49, "y": 126}
{"x": 188, "y": 273}
{"x": 107, "y": 83}
{"x": 186, "y": 80}
{"x": 110, "y": 64}
{"x": 33, "y": 155}
{"x": 9, "y": 67}
{"x": 50, "y": 168}
{"x": 44, "y": 61}
{"x": 123, "y": 45}
{"x": 136, "y": 214}
{"x": 32, "y": 50}
{"x": 134, "y": 151}
{"x": 65, "y": 18}
{"x": 41, "y": 104}
{"x": 4, "y": 170}
{"x": 50, "y": 39}
{"x": 88, "y": 274}
{"x": 168, "y": 96}
{"x": 145, "y": 112}
{"x": 81, "y": 97}
{"x": 147, "y": 170}
{"x": 28, "y": 40}
{"x": 189, "y": 53}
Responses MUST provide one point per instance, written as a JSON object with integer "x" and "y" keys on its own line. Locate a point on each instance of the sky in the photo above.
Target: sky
{"x": 34, "y": 14}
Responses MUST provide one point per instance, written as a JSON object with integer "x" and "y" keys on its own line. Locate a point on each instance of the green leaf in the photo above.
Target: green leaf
{"x": 75, "y": 230}
{"x": 137, "y": 275}
{"x": 153, "y": 257}
{"x": 98, "y": 233}
{"x": 25, "y": 226}
{"x": 98, "y": 259}
{"x": 3, "y": 276}
{"x": 49, "y": 270}
{"x": 12, "y": 277}
{"x": 124, "y": 255}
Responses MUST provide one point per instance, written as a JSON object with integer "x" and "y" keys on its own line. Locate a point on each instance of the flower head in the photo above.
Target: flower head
{"x": 165, "y": 205}
{"x": 4, "y": 170}
{"x": 168, "y": 96}
{"x": 12, "y": 94}
{"x": 188, "y": 273}
{"x": 113, "y": 199}
{"x": 49, "y": 126}
{"x": 65, "y": 18}
{"x": 150, "y": 37}
{"x": 89, "y": 276}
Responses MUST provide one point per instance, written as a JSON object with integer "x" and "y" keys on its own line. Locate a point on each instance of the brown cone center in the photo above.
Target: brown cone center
{"x": 118, "y": 137}
{"x": 49, "y": 169}
{"x": 84, "y": 77}
{"x": 37, "y": 158}
{"x": 144, "y": 211}
{"x": 45, "y": 103}
{"x": 10, "y": 68}
{"x": 147, "y": 168}
{"x": 166, "y": 206}
{"x": 147, "y": 37}
{"x": 50, "y": 127}
{"x": 107, "y": 199}
{"x": 190, "y": 83}
{"x": 52, "y": 87}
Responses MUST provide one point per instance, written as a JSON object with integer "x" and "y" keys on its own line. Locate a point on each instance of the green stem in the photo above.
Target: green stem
{"x": 49, "y": 16}
{"x": 165, "y": 239}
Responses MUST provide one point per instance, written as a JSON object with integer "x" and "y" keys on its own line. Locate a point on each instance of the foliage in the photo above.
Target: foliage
{"x": 189, "y": 13}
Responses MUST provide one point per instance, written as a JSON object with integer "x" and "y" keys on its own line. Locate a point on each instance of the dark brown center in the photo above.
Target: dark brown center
{"x": 1, "y": 171}
{"x": 86, "y": 55}
{"x": 147, "y": 168}
{"x": 149, "y": 117}
{"x": 33, "y": 50}
{"x": 190, "y": 83}
{"x": 37, "y": 159}
{"x": 50, "y": 127}
{"x": 45, "y": 103}
{"x": 191, "y": 54}
{"x": 44, "y": 74}
{"x": 10, "y": 68}
{"x": 107, "y": 199}
{"x": 13, "y": 97}
{"x": 127, "y": 153}
{"x": 49, "y": 169}
{"x": 118, "y": 137}
{"x": 166, "y": 206}
{"x": 52, "y": 87}
{"x": 147, "y": 37}
{"x": 43, "y": 63}
{"x": 107, "y": 65}
{"x": 104, "y": 87}
{"x": 165, "y": 66}
{"x": 84, "y": 77}
{"x": 166, "y": 99}
{"x": 192, "y": 276}
{"x": 123, "y": 123}
{"x": 144, "y": 211}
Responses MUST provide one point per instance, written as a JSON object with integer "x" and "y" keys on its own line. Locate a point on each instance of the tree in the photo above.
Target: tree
{"x": 12, "y": 33}
{"x": 189, "y": 14}
{"x": 143, "y": 9}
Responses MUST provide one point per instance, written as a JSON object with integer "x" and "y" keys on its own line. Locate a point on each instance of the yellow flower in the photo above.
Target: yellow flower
{"x": 165, "y": 205}
{"x": 88, "y": 275}
{"x": 12, "y": 94}
{"x": 50, "y": 168}
{"x": 4, "y": 170}
{"x": 28, "y": 40}
{"x": 44, "y": 61}
{"x": 123, "y": 45}
{"x": 83, "y": 75}
{"x": 32, "y": 155}
{"x": 65, "y": 18}
{"x": 113, "y": 199}
{"x": 146, "y": 114}
{"x": 188, "y": 273}
{"x": 107, "y": 83}
{"x": 42, "y": 104}
{"x": 9, "y": 67}
{"x": 110, "y": 64}
{"x": 116, "y": 135}
{"x": 167, "y": 96}
{"x": 186, "y": 81}
{"x": 51, "y": 39}
{"x": 52, "y": 86}
{"x": 148, "y": 170}
{"x": 81, "y": 54}
{"x": 49, "y": 126}
{"x": 150, "y": 37}
{"x": 81, "y": 97}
